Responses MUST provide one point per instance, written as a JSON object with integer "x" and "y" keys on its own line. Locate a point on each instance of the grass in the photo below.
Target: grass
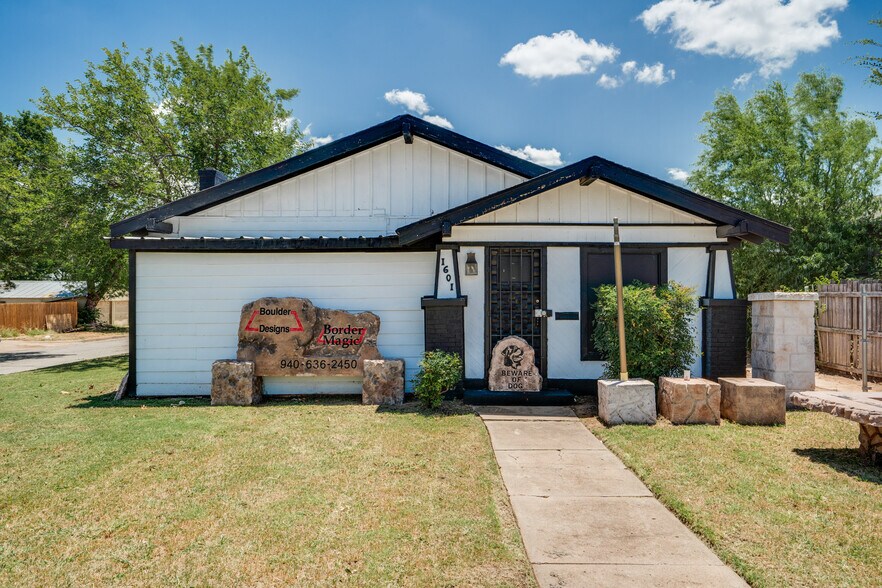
{"x": 785, "y": 506}
{"x": 149, "y": 493}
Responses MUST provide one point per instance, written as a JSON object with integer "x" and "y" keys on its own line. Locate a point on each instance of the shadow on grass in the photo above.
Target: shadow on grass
{"x": 114, "y": 361}
{"x": 847, "y": 461}
{"x": 447, "y": 408}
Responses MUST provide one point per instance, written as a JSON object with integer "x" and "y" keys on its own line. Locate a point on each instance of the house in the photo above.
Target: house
{"x": 452, "y": 243}
{"x": 23, "y": 291}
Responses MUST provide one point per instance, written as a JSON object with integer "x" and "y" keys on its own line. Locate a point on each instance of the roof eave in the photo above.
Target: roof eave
{"x": 325, "y": 155}
{"x": 597, "y": 168}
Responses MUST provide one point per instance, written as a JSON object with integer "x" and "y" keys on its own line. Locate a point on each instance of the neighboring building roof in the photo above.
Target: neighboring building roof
{"x": 49, "y": 289}
{"x": 405, "y": 125}
{"x": 736, "y": 223}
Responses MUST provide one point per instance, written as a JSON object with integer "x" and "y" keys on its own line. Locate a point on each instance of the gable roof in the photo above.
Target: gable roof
{"x": 405, "y": 125}
{"x": 738, "y": 223}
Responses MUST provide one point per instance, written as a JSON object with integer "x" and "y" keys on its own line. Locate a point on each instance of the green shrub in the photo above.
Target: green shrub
{"x": 439, "y": 373}
{"x": 9, "y": 332}
{"x": 658, "y": 332}
{"x": 88, "y": 316}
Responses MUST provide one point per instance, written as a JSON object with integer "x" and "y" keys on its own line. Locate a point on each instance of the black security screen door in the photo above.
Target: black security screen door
{"x": 515, "y": 291}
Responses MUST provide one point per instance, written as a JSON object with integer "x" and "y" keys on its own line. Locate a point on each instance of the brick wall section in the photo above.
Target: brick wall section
{"x": 724, "y": 340}
{"x": 445, "y": 325}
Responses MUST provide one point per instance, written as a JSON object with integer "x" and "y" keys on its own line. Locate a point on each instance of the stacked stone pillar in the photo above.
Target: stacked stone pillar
{"x": 783, "y": 339}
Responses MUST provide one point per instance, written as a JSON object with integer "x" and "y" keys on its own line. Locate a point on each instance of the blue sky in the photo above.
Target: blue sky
{"x": 505, "y": 73}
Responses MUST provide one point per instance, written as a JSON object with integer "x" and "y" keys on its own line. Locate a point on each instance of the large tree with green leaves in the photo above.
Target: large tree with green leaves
{"x": 796, "y": 158}
{"x": 142, "y": 127}
{"x": 33, "y": 180}
{"x": 873, "y": 63}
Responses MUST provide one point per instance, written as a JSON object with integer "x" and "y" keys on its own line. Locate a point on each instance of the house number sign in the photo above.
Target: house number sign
{"x": 447, "y": 278}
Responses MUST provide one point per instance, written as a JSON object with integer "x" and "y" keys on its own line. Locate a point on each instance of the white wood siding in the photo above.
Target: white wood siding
{"x": 371, "y": 193}
{"x": 582, "y": 234}
{"x": 722, "y": 278}
{"x": 598, "y": 202}
{"x": 188, "y": 307}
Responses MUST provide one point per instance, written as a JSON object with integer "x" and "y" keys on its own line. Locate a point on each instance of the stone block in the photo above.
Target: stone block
{"x": 752, "y": 401}
{"x": 689, "y": 402}
{"x": 235, "y": 383}
{"x": 383, "y": 381}
{"x": 802, "y": 362}
{"x": 626, "y": 403}
{"x": 870, "y": 439}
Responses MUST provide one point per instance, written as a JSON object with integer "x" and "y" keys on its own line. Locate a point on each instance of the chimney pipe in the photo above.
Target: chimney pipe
{"x": 210, "y": 177}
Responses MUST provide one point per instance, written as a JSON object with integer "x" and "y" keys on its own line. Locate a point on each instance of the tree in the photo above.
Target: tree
{"x": 32, "y": 177}
{"x": 798, "y": 159}
{"x": 873, "y": 63}
{"x": 143, "y": 127}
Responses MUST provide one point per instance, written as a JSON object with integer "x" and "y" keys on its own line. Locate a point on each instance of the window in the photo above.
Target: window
{"x": 648, "y": 265}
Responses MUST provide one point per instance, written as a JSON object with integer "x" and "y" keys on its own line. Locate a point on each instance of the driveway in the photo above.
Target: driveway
{"x": 18, "y": 355}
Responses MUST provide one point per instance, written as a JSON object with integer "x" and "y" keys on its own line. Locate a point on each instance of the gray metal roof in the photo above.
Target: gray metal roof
{"x": 48, "y": 289}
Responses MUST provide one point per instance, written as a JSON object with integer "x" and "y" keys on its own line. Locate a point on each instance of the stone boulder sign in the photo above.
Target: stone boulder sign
{"x": 293, "y": 337}
{"x": 513, "y": 367}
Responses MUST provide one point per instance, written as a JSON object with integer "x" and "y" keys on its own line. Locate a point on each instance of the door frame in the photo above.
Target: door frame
{"x": 543, "y": 301}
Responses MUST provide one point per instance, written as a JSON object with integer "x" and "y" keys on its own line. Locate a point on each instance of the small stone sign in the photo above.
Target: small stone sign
{"x": 512, "y": 367}
{"x": 293, "y": 337}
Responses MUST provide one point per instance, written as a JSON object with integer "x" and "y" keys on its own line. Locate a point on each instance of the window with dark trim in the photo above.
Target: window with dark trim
{"x": 648, "y": 265}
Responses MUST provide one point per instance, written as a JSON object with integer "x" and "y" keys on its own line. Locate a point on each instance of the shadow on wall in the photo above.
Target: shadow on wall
{"x": 845, "y": 460}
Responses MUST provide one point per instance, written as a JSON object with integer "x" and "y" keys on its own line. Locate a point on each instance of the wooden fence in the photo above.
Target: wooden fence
{"x": 115, "y": 312}
{"x": 839, "y": 327}
{"x": 59, "y": 316}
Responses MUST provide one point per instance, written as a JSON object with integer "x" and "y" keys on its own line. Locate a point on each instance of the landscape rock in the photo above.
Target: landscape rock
{"x": 513, "y": 367}
{"x": 383, "y": 381}
{"x": 689, "y": 402}
{"x": 235, "y": 383}
{"x": 870, "y": 439}
{"x": 293, "y": 337}
{"x": 631, "y": 402}
{"x": 752, "y": 401}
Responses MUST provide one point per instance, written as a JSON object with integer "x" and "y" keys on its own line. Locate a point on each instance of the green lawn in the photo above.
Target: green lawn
{"x": 149, "y": 493}
{"x": 785, "y": 506}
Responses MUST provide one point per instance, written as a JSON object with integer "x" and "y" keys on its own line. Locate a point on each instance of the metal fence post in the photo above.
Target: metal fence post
{"x": 864, "y": 337}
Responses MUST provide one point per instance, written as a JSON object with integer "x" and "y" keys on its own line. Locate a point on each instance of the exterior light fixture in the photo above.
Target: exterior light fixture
{"x": 471, "y": 265}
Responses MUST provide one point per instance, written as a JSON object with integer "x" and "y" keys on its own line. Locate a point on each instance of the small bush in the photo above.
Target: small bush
{"x": 658, "y": 331}
{"x": 9, "y": 332}
{"x": 88, "y": 316}
{"x": 439, "y": 373}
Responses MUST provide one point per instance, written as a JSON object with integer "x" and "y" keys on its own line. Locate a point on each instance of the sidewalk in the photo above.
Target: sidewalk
{"x": 586, "y": 520}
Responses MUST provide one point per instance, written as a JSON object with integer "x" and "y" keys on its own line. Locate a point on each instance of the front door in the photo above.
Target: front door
{"x": 516, "y": 291}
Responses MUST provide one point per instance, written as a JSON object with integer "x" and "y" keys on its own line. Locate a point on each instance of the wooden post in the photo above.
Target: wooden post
{"x": 617, "y": 257}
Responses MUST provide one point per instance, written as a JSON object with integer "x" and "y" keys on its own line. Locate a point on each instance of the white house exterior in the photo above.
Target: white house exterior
{"x": 452, "y": 243}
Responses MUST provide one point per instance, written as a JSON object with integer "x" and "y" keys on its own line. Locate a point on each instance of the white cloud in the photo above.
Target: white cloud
{"x": 742, "y": 80}
{"x": 438, "y": 120}
{"x": 319, "y": 141}
{"x": 654, "y": 74}
{"x": 770, "y": 32}
{"x": 413, "y": 101}
{"x": 608, "y": 82}
{"x": 547, "y": 157}
{"x": 628, "y": 67}
{"x": 562, "y": 54}
{"x": 677, "y": 174}
{"x": 316, "y": 141}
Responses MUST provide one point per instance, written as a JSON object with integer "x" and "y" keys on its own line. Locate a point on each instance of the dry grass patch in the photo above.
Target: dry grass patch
{"x": 785, "y": 506}
{"x": 146, "y": 493}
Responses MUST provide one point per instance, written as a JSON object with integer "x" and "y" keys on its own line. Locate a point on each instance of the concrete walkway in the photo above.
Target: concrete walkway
{"x": 18, "y": 355}
{"x": 586, "y": 519}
